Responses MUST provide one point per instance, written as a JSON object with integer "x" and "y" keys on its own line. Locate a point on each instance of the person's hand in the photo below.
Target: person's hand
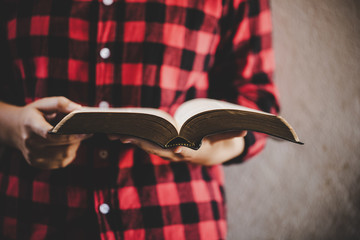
{"x": 215, "y": 149}
{"x": 28, "y": 128}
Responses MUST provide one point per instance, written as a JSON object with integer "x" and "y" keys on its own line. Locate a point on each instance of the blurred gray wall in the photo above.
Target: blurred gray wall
{"x": 311, "y": 191}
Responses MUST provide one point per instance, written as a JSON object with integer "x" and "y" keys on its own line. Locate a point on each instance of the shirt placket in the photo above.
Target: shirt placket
{"x": 104, "y": 78}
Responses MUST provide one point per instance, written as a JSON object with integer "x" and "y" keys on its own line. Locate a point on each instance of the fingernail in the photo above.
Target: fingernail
{"x": 126, "y": 141}
{"x": 178, "y": 150}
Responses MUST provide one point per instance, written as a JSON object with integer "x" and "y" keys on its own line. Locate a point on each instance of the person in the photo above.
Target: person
{"x": 58, "y": 56}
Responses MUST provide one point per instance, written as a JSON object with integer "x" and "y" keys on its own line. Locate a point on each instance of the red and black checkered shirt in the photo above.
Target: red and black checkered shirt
{"x": 120, "y": 53}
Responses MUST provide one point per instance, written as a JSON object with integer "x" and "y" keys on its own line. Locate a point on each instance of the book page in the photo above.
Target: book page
{"x": 150, "y": 111}
{"x": 196, "y": 106}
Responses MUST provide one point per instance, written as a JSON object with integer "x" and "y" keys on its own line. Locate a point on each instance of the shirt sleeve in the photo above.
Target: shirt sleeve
{"x": 244, "y": 64}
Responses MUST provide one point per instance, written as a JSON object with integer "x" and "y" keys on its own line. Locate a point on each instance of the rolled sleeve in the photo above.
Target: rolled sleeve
{"x": 244, "y": 65}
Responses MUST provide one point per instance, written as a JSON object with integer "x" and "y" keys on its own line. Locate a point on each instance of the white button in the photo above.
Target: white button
{"x": 108, "y": 2}
{"x": 103, "y": 154}
{"x": 104, "y": 104}
{"x": 104, "y": 208}
{"x": 105, "y": 53}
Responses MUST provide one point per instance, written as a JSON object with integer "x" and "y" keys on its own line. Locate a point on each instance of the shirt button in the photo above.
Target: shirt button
{"x": 104, "y": 104}
{"x": 108, "y": 2}
{"x": 104, "y": 208}
{"x": 105, "y": 53}
{"x": 103, "y": 154}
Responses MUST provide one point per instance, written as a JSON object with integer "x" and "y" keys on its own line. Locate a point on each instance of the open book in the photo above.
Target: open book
{"x": 192, "y": 121}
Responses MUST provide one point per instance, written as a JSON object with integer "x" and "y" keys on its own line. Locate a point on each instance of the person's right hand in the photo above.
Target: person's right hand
{"x": 26, "y": 129}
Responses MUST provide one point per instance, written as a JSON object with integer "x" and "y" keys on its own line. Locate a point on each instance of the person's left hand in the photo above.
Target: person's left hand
{"x": 215, "y": 149}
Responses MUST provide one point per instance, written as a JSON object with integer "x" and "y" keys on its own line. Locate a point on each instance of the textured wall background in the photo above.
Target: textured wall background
{"x": 310, "y": 191}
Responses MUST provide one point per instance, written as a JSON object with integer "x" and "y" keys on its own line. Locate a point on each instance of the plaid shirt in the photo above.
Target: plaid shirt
{"x": 128, "y": 53}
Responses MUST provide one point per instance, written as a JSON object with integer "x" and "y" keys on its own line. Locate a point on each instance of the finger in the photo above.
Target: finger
{"x": 44, "y": 164}
{"x": 49, "y": 152}
{"x": 243, "y": 133}
{"x": 184, "y": 153}
{"x": 35, "y": 141}
{"x": 114, "y": 137}
{"x": 54, "y": 139}
{"x": 149, "y": 147}
{"x": 53, "y": 157}
{"x": 50, "y": 165}
{"x": 145, "y": 145}
{"x": 55, "y": 104}
{"x": 39, "y": 125}
{"x": 178, "y": 149}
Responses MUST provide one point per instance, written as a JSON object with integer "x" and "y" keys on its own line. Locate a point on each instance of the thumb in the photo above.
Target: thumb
{"x": 55, "y": 104}
{"x": 39, "y": 125}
